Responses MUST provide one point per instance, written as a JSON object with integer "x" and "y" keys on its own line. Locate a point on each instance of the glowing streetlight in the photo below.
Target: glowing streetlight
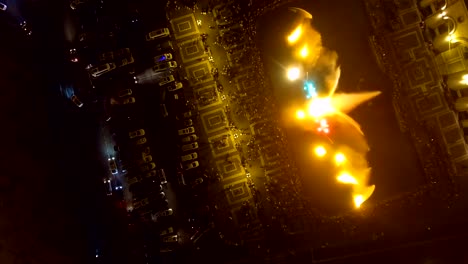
{"x": 319, "y": 107}
{"x": 294, "y": 36}
{"x": 346, "y": 178}
{"x": 339, "y": 158}
{"x": 293, "y": 73}
{"x": 300, "y": 114}
{"x": 320, "y": 151}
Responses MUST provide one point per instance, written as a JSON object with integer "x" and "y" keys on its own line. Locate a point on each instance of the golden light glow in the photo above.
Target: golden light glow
{"x": 318, "y": 111}
{"x": 300, "y": 114}
{"x": 295, "y": 35}
{"x": 346, "y": 178}
{"x": 304, "y": 51}
{"x": 320, "y": 106}
{"x": 450, "y": 38}
{"x": 464, "y": 79}
{"x": 320, "y": 151}
{"x": 293, "y": 73}
{"x": 358, "y": 200}
{"x": 339, "y": 158}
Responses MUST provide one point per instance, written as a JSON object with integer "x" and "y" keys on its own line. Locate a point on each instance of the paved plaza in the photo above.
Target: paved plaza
{"x": 184, "y": 26}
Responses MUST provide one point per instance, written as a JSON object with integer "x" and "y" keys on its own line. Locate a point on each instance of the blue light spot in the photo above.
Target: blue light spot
{"x": 163, "y": 58}
{"x": 310, "y": 90}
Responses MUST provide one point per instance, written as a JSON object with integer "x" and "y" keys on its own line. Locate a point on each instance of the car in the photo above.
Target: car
{"x": 171, "y": 64}
{"x": 166, "y": 80}
{"x": 76, "y": 101}
{"x": 188, "y": 122}
{"x": 191, "y": 165}
{"x": 176, "y": 86}
{"x": 124, "y": 93}
{"x": 130, "y": 100}
{"x": 141, "y": 141}
{"x": 106, "y": 56}
{"x": 112, "y": 165}
{"x": 163, "y": 57}
{"x": 162, "y": 195}
{"x": 191, "y": 156}
{"x": 102, "y": 69}
{"x": 3, "y": 6}
{"x": 75, "y": 3}
{"x": 125, "y": 61}
{"x": 190, "y": 138}
{"x": 164, "y": 66}
{"x": 180, "y": 178}
{"x": 159, "y": 33}
{"x": 167, "y": 231}
{"x": 162, "y": 176}
{"x": 170, "y": 239}
{"x": 148, "y": 167}
{"x": 146, "y": 151}
{"x": 186, "y": 131}
{"x": 151, "y": 173}
{"x": 197, "y": 182}
{"x": 108, "y": 185}
{"x": 166, "y": 212}
{"x": 72, "y": 55}
{"x": 188, "y": 114}
{"x": 188, "y": 147}
{"x": 136, "y": 133}
{"x": 147, "y": 159}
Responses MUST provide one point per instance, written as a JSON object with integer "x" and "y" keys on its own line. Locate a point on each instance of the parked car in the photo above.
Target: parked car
{"x": 130, "y": 100}
{"x": 188, "y": 147}
{"x": 167, "y": 231}
{"x": 163, "y": 57}
{"x": 191, "y": 165}
{"x": 166, "y": 212}
{"x": 136, "y": 133}
{"x": 124, "y": 93}
{"x": 162, "y": 176}
{"x": 176, "y": 86}
{"x": 188, "y": 114}
{"x": 164, "y": 66}
{"x": 186, "y": 131}
{"x": 159, "y": 33}
{"x": 190, "y": 138}
{"x": 141, "y": 141}
{"x": 197, "y": 181}
{"x": 188, "y": 122}
{"x": 76, "y": 101}
{"x": 112, "y": 165}
{"x": 170, "y": 239}
{"x": 102, "y": 69}
{"x": 147, "y": 158}
{"x": 148, "y": 167}
{"x": 151, "y": 173}
{"x": 166, "y": 80}
{"x": 191, "y": 156}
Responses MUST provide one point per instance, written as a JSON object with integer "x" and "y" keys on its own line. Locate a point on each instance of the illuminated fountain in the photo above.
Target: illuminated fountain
{"x": 318, "y": 110}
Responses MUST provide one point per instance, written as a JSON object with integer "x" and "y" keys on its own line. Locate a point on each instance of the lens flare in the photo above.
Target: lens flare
{"x": 346, "y": 178}
{"x": 358, "y": 200}
{"x": 293, "y": 73}
{"x": 320, "y": 151}
{"x": 295, "y": 35}
{"x": 340, "y": 158}
{"x": 319, "y": 107}
{"x": 304, "y": 52}
{"x": 300, "y": 114}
